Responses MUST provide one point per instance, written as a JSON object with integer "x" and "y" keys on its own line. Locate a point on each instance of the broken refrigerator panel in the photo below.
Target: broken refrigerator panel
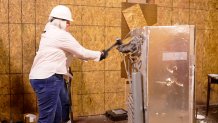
{"x": 166, "y": 66}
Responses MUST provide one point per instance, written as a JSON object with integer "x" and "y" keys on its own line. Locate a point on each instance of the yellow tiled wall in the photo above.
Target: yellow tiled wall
{"x": 97, "y": 87}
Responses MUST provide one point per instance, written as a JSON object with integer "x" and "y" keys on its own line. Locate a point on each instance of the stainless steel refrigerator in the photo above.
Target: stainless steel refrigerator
{"x": 162, "y": 75}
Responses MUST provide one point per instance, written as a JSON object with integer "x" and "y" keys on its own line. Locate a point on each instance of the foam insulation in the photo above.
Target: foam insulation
{"x": 93, "y": 104}
{"x": 93, "y": 82}
{"x": 134, "y": 17}
{"x": 15, "y": 11}
{"x": 28, "y": 37}
{"x": 15, "y": 48}
{"x": 4, "y": 11}
{"x": 4, "y": 84}
{"x": 93, "y": 15}
{"x": 28, "y": 11}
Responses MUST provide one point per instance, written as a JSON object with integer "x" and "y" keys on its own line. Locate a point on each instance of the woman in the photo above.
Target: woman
{"x": 50, "y": 64}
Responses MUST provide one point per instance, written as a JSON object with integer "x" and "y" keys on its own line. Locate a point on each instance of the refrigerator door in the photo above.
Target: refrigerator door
{"x": 168, "y": 74}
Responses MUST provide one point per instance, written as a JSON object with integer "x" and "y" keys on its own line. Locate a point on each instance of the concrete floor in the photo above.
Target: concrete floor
{"x": 96, "y": 119}
{"x": 212, "y": 114}
{"x": 212, "y": 117}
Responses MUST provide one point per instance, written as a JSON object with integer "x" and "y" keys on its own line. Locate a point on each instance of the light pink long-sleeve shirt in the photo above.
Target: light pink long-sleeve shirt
{"x": 56, "y": 47}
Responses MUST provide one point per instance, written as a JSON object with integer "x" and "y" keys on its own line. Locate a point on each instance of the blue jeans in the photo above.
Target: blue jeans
{"x": 53, "y": 101}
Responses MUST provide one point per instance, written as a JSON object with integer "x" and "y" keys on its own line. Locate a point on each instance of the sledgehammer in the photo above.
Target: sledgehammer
{"x": 118, "y": 42}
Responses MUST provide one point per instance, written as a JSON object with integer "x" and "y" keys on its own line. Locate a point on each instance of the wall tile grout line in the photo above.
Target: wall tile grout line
{"x": 72, "y": 25}
{"x": 35, "y": 52}
{"x": 104, "y": 48}
{"x": 9, "y": 62}
{"x": 82, "y": 106}
{"x": 22, "y": 28}
{"x": 171, "y": 20}
{"x": 97, "y": 93}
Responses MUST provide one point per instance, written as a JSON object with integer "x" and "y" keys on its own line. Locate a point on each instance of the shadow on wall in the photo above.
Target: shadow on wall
{"x": 15, "y": 102}
{"x": 4, "y": 58}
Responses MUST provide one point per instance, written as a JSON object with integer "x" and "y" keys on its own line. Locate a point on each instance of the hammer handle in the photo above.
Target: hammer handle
{"x": 108, "y": 49}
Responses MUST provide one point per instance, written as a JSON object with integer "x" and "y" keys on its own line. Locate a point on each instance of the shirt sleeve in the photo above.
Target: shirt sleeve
{"x": 68, "y": 43}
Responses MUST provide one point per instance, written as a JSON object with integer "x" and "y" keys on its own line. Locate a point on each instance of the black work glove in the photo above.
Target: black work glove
{"x": 104, "y": 54}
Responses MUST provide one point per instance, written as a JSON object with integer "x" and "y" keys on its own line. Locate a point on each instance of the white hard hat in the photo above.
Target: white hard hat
{"x": 61, "y": 12}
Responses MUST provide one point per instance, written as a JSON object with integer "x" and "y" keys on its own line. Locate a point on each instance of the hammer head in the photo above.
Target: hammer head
{"x": 118, "y": 41}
